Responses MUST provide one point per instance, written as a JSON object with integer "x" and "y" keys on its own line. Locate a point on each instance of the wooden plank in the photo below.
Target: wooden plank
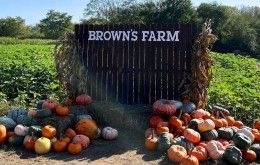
{"x": 164, "y": 66}
{"x": 115, "y": 57}
{"x": 136, "y": 66}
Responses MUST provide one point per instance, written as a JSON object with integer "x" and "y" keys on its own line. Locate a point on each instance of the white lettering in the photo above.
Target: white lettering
{"x": 145, "y": 34}
{"x": 152, "y": 36}
{"x": 134, "y": 36}
{"x": 116, "y": 35}
{"x": 99, "y": 35}
{"x": 107, "y": 35}
{"x": 91, "y": 35}
{"x": 126, "y": 36}
{"x": 161, "y": 35}
{"x": 175, "y": 36}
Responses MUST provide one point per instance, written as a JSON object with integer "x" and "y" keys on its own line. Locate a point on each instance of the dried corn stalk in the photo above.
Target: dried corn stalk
{"x": 201, "y": 66}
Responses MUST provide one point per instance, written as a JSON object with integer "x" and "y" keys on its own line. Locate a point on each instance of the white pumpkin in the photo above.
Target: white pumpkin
{"x": 247, "y": 133}
{"x": 81, "y": 139}
{"x": 215, "y": 149}
{"x": 109, "y": 133}
{"x": 42, "y": 145}
{"x": 21, "y": 130}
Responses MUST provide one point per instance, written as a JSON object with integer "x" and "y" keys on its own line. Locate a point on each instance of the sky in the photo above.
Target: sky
{"x": 35, "y": 10}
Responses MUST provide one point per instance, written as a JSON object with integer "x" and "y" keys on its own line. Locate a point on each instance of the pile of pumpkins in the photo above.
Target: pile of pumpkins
{"x": 16, "y": 128}
{"x": 192, "y": 136}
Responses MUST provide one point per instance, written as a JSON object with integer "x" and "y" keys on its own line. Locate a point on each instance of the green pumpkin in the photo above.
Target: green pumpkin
{"x": 233, "y": 155}
{"x": 7, "y": 122}
{"x": 193, "y": 124}
{"x": 39, "y": 104}
{"x": 80, "y": 117}
{"x": 164, "y": 142}
{"x": 16, "y": 140}
{"x": 182, "y": 141}
{"x": 15, "y": 113}
{"x": 43, "y": 113}
{"x": 256, "y": 148}
{"x": 35, "y": 130}
{"x": 209, "y": 135}
{"x": 188, "y": 108}
{"x": 226, "y": 133}
{"x": 24, "y": 120}
{"x": 241, "y": 141}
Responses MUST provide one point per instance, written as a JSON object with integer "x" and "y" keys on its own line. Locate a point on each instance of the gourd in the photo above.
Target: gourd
{"x": 199, "y": 152}
{"x": 43, "y": 113}
{"x": 42, "y": 145}
{"x": 164, "y": 141}
{"x": 109, "y": 133}
{"x": 164, "y": 107}
{"x": 182, "y": 142}
{"x": 87, "y": 127}
{"x": 80, "y": 117}
{"x": 249, "y": 155}
{"x": 209, "y": 135}
{"x": 21, "y": 130}
{"x": 226, "y": 133}
{"x": 241, "y": 141}
{"x": 188, "y": 107}
{"x": 74, "y": 148}
{"x": 35, "y": 130}
{"x": 24, "y": 120}
{"x": 233, "y": 155}
{"x": 7, "y": 122}
{"x": 16, "y": 140}
{"x": 15, "y": 113}
{"x": 176, "y": 153}
{"x": 191, "y": 135}
{"x": 151, "y": 143}
{"x": 81, "y": 139}
{"x": 83, "y": 99}
{"x": 215, "y": 149}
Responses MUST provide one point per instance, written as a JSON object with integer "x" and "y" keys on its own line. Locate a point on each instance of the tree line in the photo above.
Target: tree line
{"x": 237, "y": 29}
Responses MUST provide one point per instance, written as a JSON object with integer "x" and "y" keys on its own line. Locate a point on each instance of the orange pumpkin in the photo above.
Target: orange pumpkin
{"x": 191, "y": 135}
{"x": 256, "y": 134}
{"x": 49, "y": 104}
{"x": 3, "y": 134}
{"x": 200, "y": 113}
{"x": 164, "y": 107}
{"x": 29, "y": 142}
{"x": 224, "y": 122}
{"x": 180, "y": 130}
{"x": 49, "y": 131}
{"x": 9, "y": 134}
{"x": 186, "y": 118}
{"x": 59, "y": 146}
{"x": 87, "y": 127}
{"x": 203, "y": 144}
{"x": 256, "y": 125}
{"x": 231, "y": 121}
{"x": 70, "y": 133}
{"x": 190, "y": 160}
{"x": 151, "y": 143}
{"x": 69, "y": 102}
{"x": 176, "y": 153}
{"x": 218, "y": 123}
{"x": 83, "y": 99}
{"x": 74, "y": 148}
{"x": 175, "y": 122}
{"x": 199, "y": 152}
{"x": 62, "y": 111}
{"x": 160, "y": 130}
{"x": 224, "y": 142}
{"x": 249, "y": 155}
{"x": 206, "y": 125}
{"x": 238, "y": 124}
{"x": 66, "y": 139}
{"x": 81, "y": 139}
{"x": 154, "y": 120}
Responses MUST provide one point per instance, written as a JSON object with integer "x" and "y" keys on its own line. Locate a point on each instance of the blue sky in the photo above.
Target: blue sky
{"x": 35, "y": 10}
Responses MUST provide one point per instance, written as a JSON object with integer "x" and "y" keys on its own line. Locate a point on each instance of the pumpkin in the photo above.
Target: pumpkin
{"x": 151, "y": 143}
{"x": 87, "y": 127}
{"x": 81, "y": 139}
{"x": 66, "y": 139}
{"x": 256, "y": 148}
{"x": 29, "y": 142}
{"x": 175, "y": 122}
{"x": 256, "y": 134}
{"x": 248, "y": 133}
{"x": 39, "y": 104}
{"x": 35, "y": 130}
{"x": 199, "y": 152}
{"x": 217, "y": 109}
{"x": 203, "y": 144}
{"x": 49, "y": 104}
{"x": 70, "y": 133}
{"x": 179, "y": 131}
{"x": 230, "y": 120}
{"x": 21, "y": 130}
{"x": 42, "y": 145}
{"x": 7, "y": 122}
{"x": 83, "y": 99}
{"x": 74, "y": 148}
{"x": 256, "y": 125}
{"x": 49, "y": 131}
{"x": 154, "y": 120}
{"x": 191, "y": 135}
{"x": 164, "y": 141}
{"x": 62, "y": 111}
{"x": 59, "y": 146}
{"x": 53, "y": 140}
{"x": 190, "y": 160}
{"x": 182, "y": 141}
{"x": 177, "y": 103}
{"x": 200, "y": 113}
{"x": 209, "y": 135}
{"x": 238, "y": 124}
{"x": 80, "y": 117}
{"x": 164, "y": 107}
{"x": 206, "y": 125}
{"x": 69, "y": 102}
{"x": 233, "y": 155}
{"x": 24, "y": 120}
{"x": 218, "y": 123}
{"x": 188, "y": 108}
{"x": 226, "y": 133}
{"x": 16, "y": 140}
{"x": 224, "y": 122}
{"x": 31, "y": 112}
{"x": 215, "y": 149}
{"x": 160, "y": 130}
{"x": 148, "y": 132}
{"x": 249, "y": 155}
{"x": 242, "y": 141}
{"x": 9, "y": 134}
{"x": 43, "y": 113}
{"x": 194, "y": 124}
{"x": 224, "y": 142}
{"x": 3, "y": 134}
{"x": 186, "y": 118}
{"x": 15, "y": 113}
{"x": 176, "y": 153}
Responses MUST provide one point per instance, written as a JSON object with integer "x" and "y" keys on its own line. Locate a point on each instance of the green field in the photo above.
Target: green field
{"x": 27, "y": 73}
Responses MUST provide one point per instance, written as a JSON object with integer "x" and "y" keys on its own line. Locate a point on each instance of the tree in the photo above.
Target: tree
{"x": 55, "y": 24}
{"x": 13, "y": 27}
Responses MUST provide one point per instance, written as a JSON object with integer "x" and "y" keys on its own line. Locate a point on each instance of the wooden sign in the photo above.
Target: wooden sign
{"x": 136, "y": 64}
